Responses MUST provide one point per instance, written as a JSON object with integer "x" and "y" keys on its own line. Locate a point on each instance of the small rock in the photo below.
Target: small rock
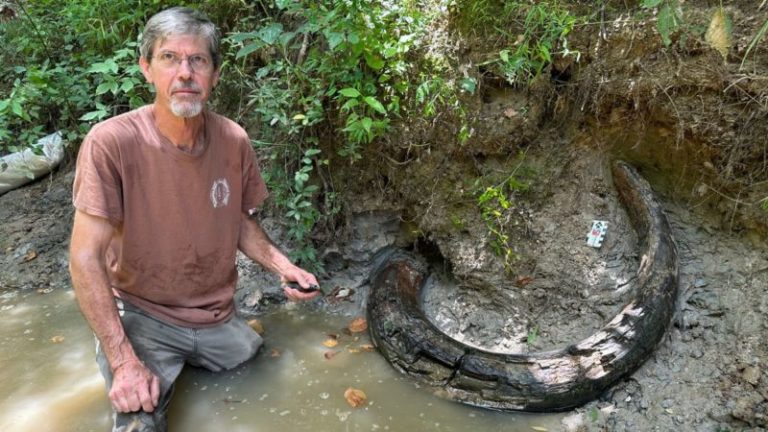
{"x": 700, "y": 283}
{"x": 705, "y": 299}
{"x": 667, "y": 403}
{"x": 751, "y": 374}
{"x": 573, "y": 423}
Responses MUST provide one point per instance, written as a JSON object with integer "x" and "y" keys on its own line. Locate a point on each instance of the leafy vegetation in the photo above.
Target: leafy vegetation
{"x": 345, "y": 71}
{"x": 669, "y": 18}
{"x": 316, "y": 83}
{"x": 539, "y": 32}
{"x": 496, "y": 205}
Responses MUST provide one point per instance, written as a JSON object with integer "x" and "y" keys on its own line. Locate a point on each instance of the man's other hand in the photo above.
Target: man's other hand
{"x": 134, "y": 388}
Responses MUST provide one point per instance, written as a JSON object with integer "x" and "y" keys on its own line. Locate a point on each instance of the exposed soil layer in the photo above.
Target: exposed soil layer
{"x": 693, "y": 124}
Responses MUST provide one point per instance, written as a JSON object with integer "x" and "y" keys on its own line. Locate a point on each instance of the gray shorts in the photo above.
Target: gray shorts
{"x": 165, "y": 348}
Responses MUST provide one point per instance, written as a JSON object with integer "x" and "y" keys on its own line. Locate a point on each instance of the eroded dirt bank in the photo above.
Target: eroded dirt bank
{"x": 695, "y": 126}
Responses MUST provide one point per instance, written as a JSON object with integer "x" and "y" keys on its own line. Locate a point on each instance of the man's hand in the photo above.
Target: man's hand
{"x": 134, "y": 388}
{"x": 304, "y": 279}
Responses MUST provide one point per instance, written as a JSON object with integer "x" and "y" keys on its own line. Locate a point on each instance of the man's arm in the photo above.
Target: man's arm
{"x": 256, "y": 245}
{"x": 134, "y": 387}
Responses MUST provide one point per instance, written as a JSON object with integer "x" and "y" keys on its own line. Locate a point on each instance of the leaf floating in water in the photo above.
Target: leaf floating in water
{"x": 539, "y": 428}
{"x": 330, "y": 343}
{"x": 368, "y": 347}
{"x": 330, "y": 354}
{"x": 358, "y": 325}
{"x": 57, "y": 339}
{"x": 274, "y": 352}
{"x": 257, "y": 326}
{"x": 355, "y": 397}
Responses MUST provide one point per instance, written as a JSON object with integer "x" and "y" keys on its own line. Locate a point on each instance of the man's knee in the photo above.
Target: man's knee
{"x": 228, "y": 345}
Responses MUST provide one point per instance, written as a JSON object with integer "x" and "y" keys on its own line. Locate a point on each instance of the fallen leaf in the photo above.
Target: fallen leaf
{"x": 330, "y": 343}
{"x": 720, "y": 33}
{"x": 330, "y": 354}
{"x": 510, "y": 112}
{"x": 367, "y": 347}
{"x": 355, "y": 397}
{"x": 539, "y": 428}
{"x": 523, "y": 281}
{"x": 57, "y": 339}
{"x": 358, "y": 325}
{"x": 256, "y": 325}
{"x": 30, "y": 256}
{"x": 353, "y": 350}
{"x": 274, "y": 352}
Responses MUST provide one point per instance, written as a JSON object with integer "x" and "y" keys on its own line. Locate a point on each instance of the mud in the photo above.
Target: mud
{"x": 693, "y": 124}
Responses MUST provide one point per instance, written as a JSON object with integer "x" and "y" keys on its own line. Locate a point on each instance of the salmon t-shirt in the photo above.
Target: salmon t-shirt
{"x": 176, "y": 215}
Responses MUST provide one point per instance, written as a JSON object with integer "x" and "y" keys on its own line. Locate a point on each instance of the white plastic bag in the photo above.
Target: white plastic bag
{"x": 24, "y": 166}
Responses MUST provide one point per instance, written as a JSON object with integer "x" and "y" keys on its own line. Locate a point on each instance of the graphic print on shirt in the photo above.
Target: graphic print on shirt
{"x": 220, "y": 193}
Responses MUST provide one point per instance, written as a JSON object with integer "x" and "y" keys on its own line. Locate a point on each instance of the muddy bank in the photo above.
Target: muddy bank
{"x": 693, "y": 124}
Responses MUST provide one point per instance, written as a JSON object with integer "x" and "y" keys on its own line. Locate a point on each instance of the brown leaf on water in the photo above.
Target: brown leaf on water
{"x": 367, "y": 347}
{"x": 30, "y": 256}
{"x": 57, "y": 339}
{"x": 330, "y": 343}
{"x": 358, "y": 325}
{"x": 353, "y": 350}
{"x": 330, "y": 354}
{"x": 355, "y": 397}
{"x": 274, "y": 352}
{"x": 256, "y": 325}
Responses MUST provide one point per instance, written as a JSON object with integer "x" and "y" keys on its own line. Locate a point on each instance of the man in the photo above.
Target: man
{"x": 163, "y": 197}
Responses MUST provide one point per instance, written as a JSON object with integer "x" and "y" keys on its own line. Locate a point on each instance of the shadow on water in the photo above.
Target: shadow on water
{"x": 50, "y": 381}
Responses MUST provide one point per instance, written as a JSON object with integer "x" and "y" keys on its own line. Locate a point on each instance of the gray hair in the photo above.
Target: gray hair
{"x": 180, "y": 21}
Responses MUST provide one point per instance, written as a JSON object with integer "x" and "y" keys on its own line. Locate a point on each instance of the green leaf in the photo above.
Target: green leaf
{"x": 127, "y": 86}
{"x": 93, "y": 115}
{"x": 504, "y": 55}
{"x": 351, "y": 103}
{"x": 367, "y": 122}
{"x": 270, "y": 33}
{"x": 242, "y": 37}
{"x": 312, "y": 152}
{"x": 103, "y": 87}
{"x": 16, "y": 108}
{"x": 248, "y": 49}
{"x": 374, "y": 61}
{"x": 334, "y": 39}
{"x": 649, "y": 4}
{"x": 350, "y": 92}
{"x": 666, "y": 23}
{"x": 376, "y": 105}
{"x": 468, "y": 85}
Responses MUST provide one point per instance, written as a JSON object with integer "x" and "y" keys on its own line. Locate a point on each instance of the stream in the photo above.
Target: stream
{"x": 50, "y": 381}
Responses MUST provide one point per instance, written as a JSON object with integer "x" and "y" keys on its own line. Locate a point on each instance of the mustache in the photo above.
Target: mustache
{"x": 186, "y": 86}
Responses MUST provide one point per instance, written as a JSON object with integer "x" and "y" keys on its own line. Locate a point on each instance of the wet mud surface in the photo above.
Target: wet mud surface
{"x": 709, "y": 372}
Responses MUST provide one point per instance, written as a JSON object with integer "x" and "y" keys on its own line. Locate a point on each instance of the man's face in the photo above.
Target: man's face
{"x": 181, "y": 70}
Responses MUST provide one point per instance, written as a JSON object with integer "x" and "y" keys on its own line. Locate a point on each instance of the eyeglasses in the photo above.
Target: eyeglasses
{"x": 197, "y": 62}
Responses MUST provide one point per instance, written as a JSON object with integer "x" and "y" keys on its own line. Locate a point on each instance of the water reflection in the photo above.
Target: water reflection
{"x": 50, "y": 382}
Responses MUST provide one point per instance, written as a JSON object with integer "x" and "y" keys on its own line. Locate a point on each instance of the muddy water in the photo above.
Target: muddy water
{"x": 49, "y": 381}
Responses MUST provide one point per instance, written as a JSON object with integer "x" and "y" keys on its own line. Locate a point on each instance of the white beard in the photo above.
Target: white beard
{"x": 186, "y": 109}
